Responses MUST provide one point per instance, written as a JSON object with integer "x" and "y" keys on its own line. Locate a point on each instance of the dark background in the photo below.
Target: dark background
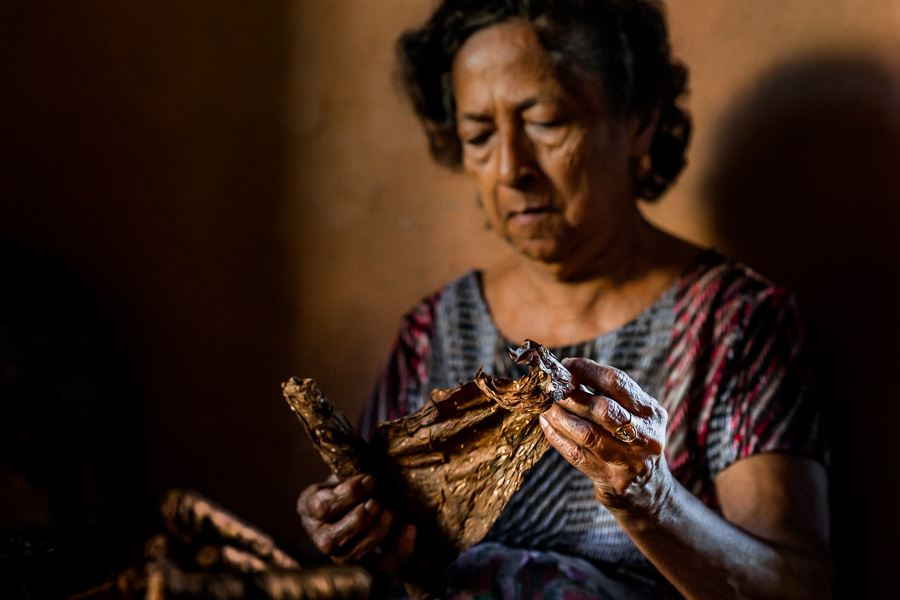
{"x": 147, "y": 318}
{"x": 199, "y": 200}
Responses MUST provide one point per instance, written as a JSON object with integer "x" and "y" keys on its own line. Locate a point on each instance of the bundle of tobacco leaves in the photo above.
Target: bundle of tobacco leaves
{"x": 451, "y": 466}
{"x": 205, "y": 551}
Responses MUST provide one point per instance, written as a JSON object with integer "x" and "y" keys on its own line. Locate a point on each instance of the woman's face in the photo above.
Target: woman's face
{"x": 552, "y": 163}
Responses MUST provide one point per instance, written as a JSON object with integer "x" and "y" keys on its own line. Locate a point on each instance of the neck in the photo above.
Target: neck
{"x": 621, "y": 258}
{"x": 559, "y": 304}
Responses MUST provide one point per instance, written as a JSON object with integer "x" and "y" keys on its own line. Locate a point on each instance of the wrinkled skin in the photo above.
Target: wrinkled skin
{"x": 551, "y": 161}
{"x": 626, "y": 476}
{"x": 346, "y": 523}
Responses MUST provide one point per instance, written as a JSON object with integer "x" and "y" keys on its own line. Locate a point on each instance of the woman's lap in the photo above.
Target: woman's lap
{"x": 496, "y": 572}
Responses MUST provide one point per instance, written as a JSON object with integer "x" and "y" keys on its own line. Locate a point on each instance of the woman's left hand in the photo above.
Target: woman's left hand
{"x": 628, "y": 469}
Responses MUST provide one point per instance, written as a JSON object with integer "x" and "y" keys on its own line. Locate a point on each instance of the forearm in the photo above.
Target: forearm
{"x": 774, "y": 543}
{"x": 706, "y": 557}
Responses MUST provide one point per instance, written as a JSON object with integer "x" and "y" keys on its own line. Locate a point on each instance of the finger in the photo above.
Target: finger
{"x": 328, "y": 504}
{"x": 578, "y": 455}
{"x": 400, "y": 551}
{"x": 612, "y": 416}
{"x": 611, "y": 382}
{"x": 363, "y": 546}
{"x": 574, "y": 428}
{"x": 311, "y": 490}
{"x": 598, "y": 409}
{"x": 334, "y": 539}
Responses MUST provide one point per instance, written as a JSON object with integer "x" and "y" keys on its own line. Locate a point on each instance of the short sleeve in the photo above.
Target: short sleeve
{"x": 767, "y": 399}
{"x": 403, "y": 381}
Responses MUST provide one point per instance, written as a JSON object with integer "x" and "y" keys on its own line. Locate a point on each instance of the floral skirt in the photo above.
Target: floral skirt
{"x": 492, "y": 571}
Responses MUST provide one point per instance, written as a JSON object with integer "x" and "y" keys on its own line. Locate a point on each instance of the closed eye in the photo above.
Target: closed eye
{"x": 480, "y": 139}
{"x": 547, "y": 124}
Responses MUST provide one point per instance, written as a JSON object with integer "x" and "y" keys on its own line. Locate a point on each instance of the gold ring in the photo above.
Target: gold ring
{"x": 626, "y": 433}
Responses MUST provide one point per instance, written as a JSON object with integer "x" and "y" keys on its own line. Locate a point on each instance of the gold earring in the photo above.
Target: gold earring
{"x": 645, "y": 164}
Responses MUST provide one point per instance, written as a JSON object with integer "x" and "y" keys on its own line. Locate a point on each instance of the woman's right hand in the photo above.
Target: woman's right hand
{"x": 347, "y": 524}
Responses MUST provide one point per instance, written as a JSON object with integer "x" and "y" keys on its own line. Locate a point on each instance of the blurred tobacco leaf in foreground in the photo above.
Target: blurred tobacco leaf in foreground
{"x": 205, "y": 551}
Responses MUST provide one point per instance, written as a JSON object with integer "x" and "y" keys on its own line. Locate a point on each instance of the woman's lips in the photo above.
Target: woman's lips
{"x": 531, "y": 214}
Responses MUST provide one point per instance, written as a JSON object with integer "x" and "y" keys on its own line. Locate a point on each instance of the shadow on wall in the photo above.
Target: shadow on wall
{"x": 804, "y": 189}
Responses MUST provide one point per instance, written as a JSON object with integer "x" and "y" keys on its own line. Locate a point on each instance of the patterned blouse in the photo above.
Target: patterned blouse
{"x": 721, "y": 349}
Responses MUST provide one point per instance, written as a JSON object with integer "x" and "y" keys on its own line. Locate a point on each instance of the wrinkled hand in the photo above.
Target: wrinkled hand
{"x": 628, "y": 477}
{"x": 348, "y": 525}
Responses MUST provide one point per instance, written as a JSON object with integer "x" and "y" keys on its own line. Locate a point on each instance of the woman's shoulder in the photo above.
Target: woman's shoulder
{"x": 466, "y": 285}
{"x": 712, "y": 275}
{"x": 729, "y": 293}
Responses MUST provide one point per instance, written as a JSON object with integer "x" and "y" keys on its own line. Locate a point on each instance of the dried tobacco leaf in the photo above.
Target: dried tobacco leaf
{"x": 546, "y": 378}
{"x": 196, "y": 520}
{"x": 451, "y": 466}
{"x": 209, "y": 552}
{"x": 341, "y": 447}
{"x": 167, "y": 581}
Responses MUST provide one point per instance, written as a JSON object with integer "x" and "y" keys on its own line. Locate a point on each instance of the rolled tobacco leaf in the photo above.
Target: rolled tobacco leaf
{"x": 206, "y": 551}
{"x": 451, "y": 466}
{"x": 167, "y": 581}
{"x": 194, "y": 518}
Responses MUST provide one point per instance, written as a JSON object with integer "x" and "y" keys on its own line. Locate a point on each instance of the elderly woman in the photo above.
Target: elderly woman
{"x": 696, "y": 465}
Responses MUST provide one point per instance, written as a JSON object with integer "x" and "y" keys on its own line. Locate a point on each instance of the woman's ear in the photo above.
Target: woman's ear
{"x": 642, "y": 128}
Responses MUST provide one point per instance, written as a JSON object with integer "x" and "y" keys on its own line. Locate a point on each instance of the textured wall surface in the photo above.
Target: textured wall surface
{"x": 248, "y": 197}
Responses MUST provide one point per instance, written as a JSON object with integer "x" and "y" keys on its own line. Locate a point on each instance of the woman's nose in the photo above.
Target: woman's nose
{"x": 516, "y": 159}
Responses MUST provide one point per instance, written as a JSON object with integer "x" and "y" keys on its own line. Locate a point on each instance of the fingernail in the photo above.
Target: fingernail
{"x": 543, "y": 421}
{"x": 371, "y": 505}
{"x": 368, "y": 480}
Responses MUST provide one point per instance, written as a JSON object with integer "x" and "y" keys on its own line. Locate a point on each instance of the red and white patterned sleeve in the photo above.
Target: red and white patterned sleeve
{"x": 774, "y": 405}
{"x": 740, "y": 381}
{"x": 403, "y": 382}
